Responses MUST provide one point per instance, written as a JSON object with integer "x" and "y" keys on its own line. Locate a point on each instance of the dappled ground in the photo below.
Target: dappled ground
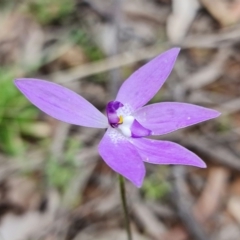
{"x": 53, "y": 184}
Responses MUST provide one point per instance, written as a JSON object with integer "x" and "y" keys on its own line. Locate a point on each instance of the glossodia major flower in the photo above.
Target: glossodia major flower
{"x": 125, "y": 146}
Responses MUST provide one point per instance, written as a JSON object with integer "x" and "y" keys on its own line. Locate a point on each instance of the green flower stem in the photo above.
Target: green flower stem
{"x": 124, "y": 205}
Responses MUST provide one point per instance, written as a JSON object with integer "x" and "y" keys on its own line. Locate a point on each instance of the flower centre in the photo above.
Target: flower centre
{"x": 119, "y": 117}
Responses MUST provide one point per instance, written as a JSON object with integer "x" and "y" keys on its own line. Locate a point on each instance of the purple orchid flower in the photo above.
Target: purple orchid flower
{"x": 124, "y": 146}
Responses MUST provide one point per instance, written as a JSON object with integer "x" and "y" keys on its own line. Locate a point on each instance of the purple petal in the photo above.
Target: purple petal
{"x": 143, "y": 84}
{"x": 166, "y": 117}
{"x": 122, "y": 157}
{"x": 165, "y": 152}
{"x": 61, "y": 103}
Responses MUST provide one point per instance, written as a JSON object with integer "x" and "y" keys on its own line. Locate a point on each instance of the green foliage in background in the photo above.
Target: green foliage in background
{"x": 47, "y": 11}
{"x": 16, "y": 113}
{"x": 92, "y": 51}
{"x": 155, "y": 186}
{"x": 223, "y": 124}
{"x": 60, "y": 172}
{"x": 6, "y": 4}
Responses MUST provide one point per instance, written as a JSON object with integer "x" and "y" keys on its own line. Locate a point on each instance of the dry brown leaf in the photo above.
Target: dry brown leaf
{"x": 235, "y": 187}
{"x": 116, "y": 234}
{"x": 30, "y": 224}
{"x": 184, "y": 11}
{"x": 152, "y": 225}
{"x": 208, "y": 203}
{"x": 225, "y": 12}
{"x": 227, "y": 232}
{"x": 233, "y": 207}
{"x": 21, "y": 40}
{"x": 213, "y": 193}
{"x": 72, "y": 57}
{"x": 23, "y": 192}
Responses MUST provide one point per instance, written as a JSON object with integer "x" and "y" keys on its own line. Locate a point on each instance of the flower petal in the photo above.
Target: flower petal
{"x": 165, "y": 152}
{"x": 143, "y": 84}
{"x": 122, "y": 157}
{"x": 61, "y": 103}
{"x": 166, "y": 117}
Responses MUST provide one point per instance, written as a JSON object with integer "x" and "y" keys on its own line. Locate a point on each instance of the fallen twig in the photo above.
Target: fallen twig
{"x": 182, "y": 201}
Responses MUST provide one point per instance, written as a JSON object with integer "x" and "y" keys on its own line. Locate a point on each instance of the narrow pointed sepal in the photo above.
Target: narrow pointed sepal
{"x": 165, "y": 117}
{"x": 144, "y": 83}
{"x": 165, "y": 152}
{"x": 120, "y": 155}
{"x": 61, "y": 103}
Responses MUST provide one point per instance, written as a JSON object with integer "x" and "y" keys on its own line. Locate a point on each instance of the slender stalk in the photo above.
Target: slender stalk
{"x": 125, "y": 207}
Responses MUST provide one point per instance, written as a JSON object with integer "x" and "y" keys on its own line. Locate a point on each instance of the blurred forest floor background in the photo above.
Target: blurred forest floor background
{"x": 53, "y": 184}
